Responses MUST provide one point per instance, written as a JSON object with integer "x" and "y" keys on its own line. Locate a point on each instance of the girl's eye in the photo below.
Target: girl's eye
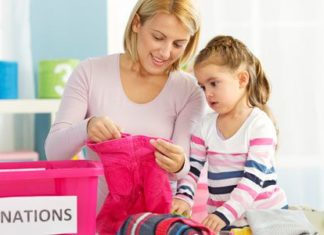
{"x": 202, "y": 87}
{"x": 213, "y": 83}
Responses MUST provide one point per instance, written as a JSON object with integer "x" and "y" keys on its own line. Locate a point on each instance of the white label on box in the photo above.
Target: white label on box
{"x": 38, "y": 215}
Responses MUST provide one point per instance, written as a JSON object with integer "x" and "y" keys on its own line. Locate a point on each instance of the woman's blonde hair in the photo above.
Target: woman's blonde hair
{"x": 232, "y": 53}
{"x": 184, "y": 10}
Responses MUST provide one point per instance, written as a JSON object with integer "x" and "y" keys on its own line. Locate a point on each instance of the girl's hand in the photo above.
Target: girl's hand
{"x": 214, "y": 223}
{"x": 180, "y": 207}
{"x": 169, "y": 157}
{"x": 102, "y": 128}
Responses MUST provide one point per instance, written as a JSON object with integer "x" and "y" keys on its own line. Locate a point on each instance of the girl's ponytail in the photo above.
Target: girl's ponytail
{"x": 259, "y": 89}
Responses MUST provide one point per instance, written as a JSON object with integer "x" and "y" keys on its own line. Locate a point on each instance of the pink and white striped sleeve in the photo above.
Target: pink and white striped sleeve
{"x": 198, "y": 154}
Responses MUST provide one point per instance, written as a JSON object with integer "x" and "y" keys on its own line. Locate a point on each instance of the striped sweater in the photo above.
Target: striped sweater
{"x": 241, "y": 173}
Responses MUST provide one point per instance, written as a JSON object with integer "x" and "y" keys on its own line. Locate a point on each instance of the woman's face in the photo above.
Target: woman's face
{"x": 161, "y": 41}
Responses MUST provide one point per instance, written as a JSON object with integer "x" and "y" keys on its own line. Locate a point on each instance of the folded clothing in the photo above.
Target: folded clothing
{"x": 315, "y": 217}
{"x": 278, "y": 221}
{"x": 162, "y": 224}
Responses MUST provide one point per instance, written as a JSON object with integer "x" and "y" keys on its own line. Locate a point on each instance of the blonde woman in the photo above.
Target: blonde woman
{"x": 140, "y": 91}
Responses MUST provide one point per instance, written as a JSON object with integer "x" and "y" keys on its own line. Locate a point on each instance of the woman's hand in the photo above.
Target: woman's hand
{"x": 214, "y": 223}
{"x": 180, "y": 207}
{"x": 102, "y": 128}
{"x": 169, "y": 157}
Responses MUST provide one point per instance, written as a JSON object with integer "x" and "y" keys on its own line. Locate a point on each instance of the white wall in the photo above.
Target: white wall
{"x": 303, "y": 180}
{"x": 118, "y": 13}
{"x": 17, "y": 130}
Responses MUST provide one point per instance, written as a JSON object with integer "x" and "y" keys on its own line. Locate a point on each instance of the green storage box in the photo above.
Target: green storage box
{"x": 52, "y": 76}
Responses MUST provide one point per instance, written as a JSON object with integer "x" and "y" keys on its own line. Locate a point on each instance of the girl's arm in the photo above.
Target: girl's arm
{"x": 198, "y": 156}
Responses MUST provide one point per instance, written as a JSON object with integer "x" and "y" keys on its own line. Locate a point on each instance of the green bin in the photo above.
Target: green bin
{"x": 52, "y": 76}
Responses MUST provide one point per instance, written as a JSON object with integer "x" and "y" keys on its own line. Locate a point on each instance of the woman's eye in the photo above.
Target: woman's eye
{"x": 178, "y": 45}
{"x": 157, "y": 38}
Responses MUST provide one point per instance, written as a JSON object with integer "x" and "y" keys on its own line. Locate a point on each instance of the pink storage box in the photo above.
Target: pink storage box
{"x": 62, "y": 178}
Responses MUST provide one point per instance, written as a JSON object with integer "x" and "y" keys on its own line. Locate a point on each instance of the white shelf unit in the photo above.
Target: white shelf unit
{"x": 27, "y": 106}
{"x": 16, "y": 106}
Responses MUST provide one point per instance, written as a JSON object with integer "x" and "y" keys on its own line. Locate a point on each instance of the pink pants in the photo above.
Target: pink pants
{"x": 136, "y": 183}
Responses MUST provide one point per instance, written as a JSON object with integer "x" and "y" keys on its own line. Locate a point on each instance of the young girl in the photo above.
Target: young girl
{"x": 238, "y": 140}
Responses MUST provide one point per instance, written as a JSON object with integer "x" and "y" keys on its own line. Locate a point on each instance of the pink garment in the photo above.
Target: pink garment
{"x": 199, "y": 208}
{"x": 136, "y": 183}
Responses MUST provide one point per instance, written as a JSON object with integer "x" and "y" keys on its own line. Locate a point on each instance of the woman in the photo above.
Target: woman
{"x": 141, "y": 91}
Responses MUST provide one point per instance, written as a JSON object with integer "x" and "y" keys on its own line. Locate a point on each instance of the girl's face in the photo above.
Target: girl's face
{"x": 161, "y": 41}
{"x": 222, "y": 87}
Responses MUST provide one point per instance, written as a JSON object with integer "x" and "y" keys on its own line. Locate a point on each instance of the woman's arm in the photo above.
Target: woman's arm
{"x": 189, "y": 105}
{"x": 69, "y": 130}
{"x": 189, "y": 116}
